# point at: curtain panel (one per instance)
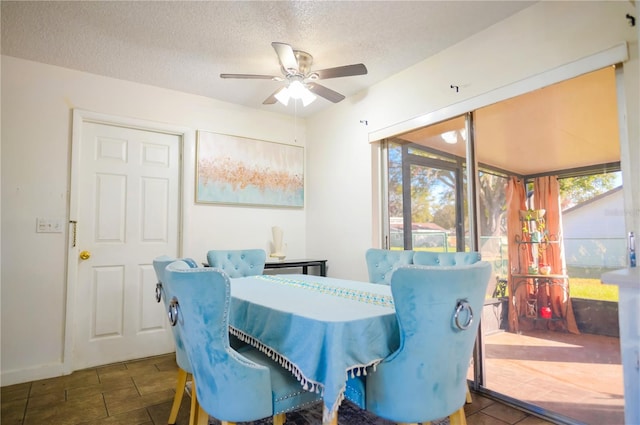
(516, 197)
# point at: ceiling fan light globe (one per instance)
(297, 89)
(307, 97)
(450, 137)
(283, 96)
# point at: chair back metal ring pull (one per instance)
(158, 292)
(463, 305)
(173, 312)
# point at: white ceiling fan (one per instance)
(301, 81)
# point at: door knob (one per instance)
(85, 255)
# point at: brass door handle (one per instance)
(85, 255)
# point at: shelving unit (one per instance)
(534, 308)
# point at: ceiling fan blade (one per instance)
(325, 92)
(286, 56)
(251, 77)
(272, 99)
(342, 71)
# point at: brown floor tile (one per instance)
(168, 363)
(483, 419)
(12, 411)
(134, 417)
(75, 380)
(504, 413)
(81, 376)
(141, 392)
(15, 392)
(103, 387)
(478, 403)
(102, 370)
(154, 382)
(126, 400)
(68, 413)
(122, 400)
(48, 399)
(160, 412)
(110, 374)
(143, 366)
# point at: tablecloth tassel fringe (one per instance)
(279, 358)
(327, 415)
(357, 371)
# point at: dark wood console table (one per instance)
(304, 263)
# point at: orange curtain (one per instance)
(546, 195)
(516, 197)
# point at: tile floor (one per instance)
(140, 392)
(578, 376)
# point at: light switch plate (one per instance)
(49, 225)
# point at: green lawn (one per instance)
(592, 289)
(588, 288)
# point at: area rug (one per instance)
(348, 414)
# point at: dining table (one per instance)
(323, 330)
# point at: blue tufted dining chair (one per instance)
(427, 258)
(184, 367)
(231, 386)
(425, 379)
(382, 262)
(238, 263)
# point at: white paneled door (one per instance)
(128, 183)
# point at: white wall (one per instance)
(594, 233)
(339, 220)
(37, 104)
(600, 218)
(341, 216)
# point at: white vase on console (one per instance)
(278, 248)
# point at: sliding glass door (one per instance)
(427, 189)
(566, 133)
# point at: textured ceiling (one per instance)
(185, 45)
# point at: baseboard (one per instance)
(31, 374)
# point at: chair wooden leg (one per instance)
(196, 411)
(469, 399)
(279, 419)
(203, 417)
(177, 399)
(458, 417)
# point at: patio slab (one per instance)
(579, 376)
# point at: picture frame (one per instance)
(243, 171)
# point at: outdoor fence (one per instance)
(584, 257)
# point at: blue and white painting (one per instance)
(238, 170)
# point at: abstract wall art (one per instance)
(239, 170)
